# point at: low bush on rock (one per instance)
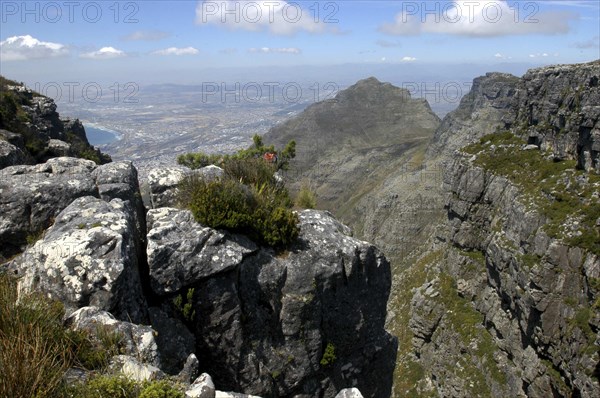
(118, 386)
(248, 199)
(261, 212)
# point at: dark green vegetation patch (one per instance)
(248, 199)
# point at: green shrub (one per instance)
(329, 355)
(186, 309)
(118, 386)
(250, 171)
(161, 389)
(198, 160)
(95, 350)
(261, 212)
(306, 198)
(248, 199)
(113, 386)
(218, 204)
(256, 151)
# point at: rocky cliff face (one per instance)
(31, 131)
(505, 299)
(557, 108)
(483, 110)
(305, 322)
(262, 321)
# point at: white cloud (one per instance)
(104, 53)
(268, 50)
(146, 35)
(543, 55)
(408, 59)
(482, 18)
(177, 51)
(20, 48)
(500, 56)
(277, 17)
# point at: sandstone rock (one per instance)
(210, 172)
(162, 184)
(175, 343)
(202, 387)
(88, 258)
(120, 180)
(181, 251)
(135, 370)
(262, 326)
(189, 373)
(531, 147)
(10, 155)
(484, 109)
(558, 105)
(32, 196)
(349, 393)
(59, 148)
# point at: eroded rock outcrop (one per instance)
(32, 196)
(307, 321)
(483, 110)
(88, 257)
(556, 108)
(263, 321)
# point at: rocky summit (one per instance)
(348, 145)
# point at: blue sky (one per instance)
(164, 41)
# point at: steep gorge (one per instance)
(504, 299)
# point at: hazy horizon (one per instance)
(190, 42)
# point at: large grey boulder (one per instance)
(32, 196)
(87, 258)
(202, 387)
(162, 184)
(263, 323)
(181, 252)
(120, 180)
(10, 155)
(59, 148)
